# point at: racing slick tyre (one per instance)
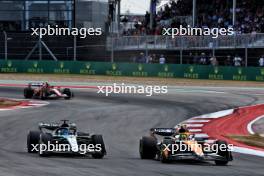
(32, 140)
(45, 138)
(68, 92)
(223, 152)
(148, 147)
(28, 93)
(98, 139)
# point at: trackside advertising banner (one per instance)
(131, 69)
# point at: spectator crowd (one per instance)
(198, 59)
(216, 13)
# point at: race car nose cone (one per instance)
(73, 143)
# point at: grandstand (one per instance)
(245, 16)
(127, 36)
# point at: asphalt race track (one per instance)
(122, 119)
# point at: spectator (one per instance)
(261, 61)
(213, 61)
(228, 61)
(203, 59)
(154, 58)
(195, 58)
(141, 58)
(149, 59)
(162, 59)
(237, 61)
(216, 14)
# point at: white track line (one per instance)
(198, 121)
(194, 125)
(201, 135)
(249, 126)
(216, 115)
(248, 151)
(195, 130)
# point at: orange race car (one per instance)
(182, 145)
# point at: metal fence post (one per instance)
(5, 44)
(112, 49)
(40, 49)
(246, 56)
(146, 51)
(181, 59)
(74, 47)
(214, 45)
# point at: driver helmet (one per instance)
(64, 131)
(183, 136)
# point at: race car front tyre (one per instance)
(68, 92)
(99, 144)
(147, 147)
(45, 138)
(28, 93)
(223, 151)
(32, 141)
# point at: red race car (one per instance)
(45, 91)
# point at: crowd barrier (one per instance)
(133, 69)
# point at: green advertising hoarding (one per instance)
(132, 69)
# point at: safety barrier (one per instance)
(132, 69)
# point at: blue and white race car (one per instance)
(54, 138)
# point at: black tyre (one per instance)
(223, 152)
(32, 141)
(45, 138)
(147, 147)
(98, 139)
(68, 92)
(28, 93)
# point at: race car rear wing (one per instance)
(35, 84)
(54, 126)
(49, 126)
(163, 131)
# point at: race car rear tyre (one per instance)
(98, 139)
(147, 147)
(32, 141)
(28, 93)
(223, 151)
(45, 138)
(68, 92)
